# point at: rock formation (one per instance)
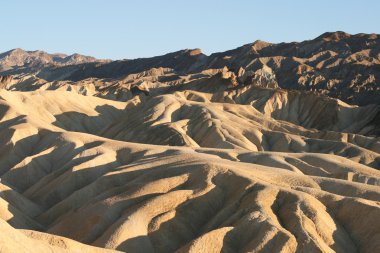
(249, 150)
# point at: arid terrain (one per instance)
(263, 148)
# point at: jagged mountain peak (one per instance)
(338, 35)
(335, 63)
(259, 44)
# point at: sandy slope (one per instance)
(228, 172)
(192, 153)
(13, 240)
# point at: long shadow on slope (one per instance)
(12, 122)
(6, 134)
(98, 190)
(190, 217)
(81, 122)
(303, 108)
(21, 220)
(62, 156)
(13, 153)
(37, 168)
(110, 118)
(60, 185)
(103, 187)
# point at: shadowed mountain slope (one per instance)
(337, 64)
(247, 150)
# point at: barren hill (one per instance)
(193, 153)
(336, 64)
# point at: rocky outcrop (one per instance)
(337, 64)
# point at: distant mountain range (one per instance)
(21, 61)
(336, 64)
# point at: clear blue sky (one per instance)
(118, 29)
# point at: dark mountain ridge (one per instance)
(336, 64)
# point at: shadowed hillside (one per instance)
(248, 150)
